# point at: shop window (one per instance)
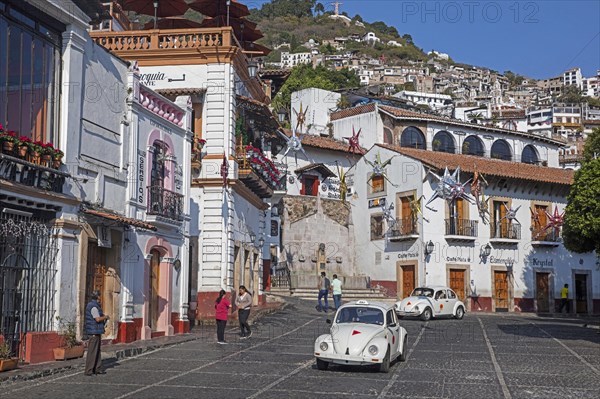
(377, 227)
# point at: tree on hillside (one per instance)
(408, 38)
(279, 8)
(319, 8)
(304, 76)
(581, 230)
(571, 95)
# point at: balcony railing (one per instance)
(505, 231)
(252, 159)
(461, 227)
(165, 203)
(548, 235)
(403, 228)
(31, 174)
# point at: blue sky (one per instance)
(538, 39)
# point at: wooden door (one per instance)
(500, 221)
(541, 221)
(457, 283)
(153, 294)
(580, 293)
(542, 292)
(408, 280)
(501, 291)
(96, 271)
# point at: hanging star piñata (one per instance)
(449, 187)
(511, 214)
(343, 185)
(415, 207)
(477, 187)
(555, 221)
(224, 170)
(353, 142)
(379, 168)
(389, 216)
(294, 143)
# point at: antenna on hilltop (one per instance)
(337, 5)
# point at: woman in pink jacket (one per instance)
(222, 306)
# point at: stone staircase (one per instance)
(347, 294)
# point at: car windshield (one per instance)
(422, 292)
(360, 315)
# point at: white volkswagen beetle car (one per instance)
(362, 334)
(428, 302)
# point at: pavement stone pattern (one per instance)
(481, 356)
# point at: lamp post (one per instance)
(155, 12)
(252, 68)
(282, 115)
(252, 237)
(429, 247)
(485, 251)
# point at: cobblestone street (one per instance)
(481, 356)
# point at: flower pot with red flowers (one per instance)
(8, 139)
(7, 362)
(57, 158)
(47, 153)
(23, 146)
(35, 151)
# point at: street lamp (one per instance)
(252, 68)
(485, 251)
(261, 242)
(252, 237)
(429, 248)
(282, 114)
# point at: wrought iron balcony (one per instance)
(165, 203)
(258, 172)
(461, 228)
(403, 229)
(505, 231)
(541, 236)
(31, 174)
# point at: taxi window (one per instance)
(422, 292)
(451, 294)
(441, 294)
(360, 315)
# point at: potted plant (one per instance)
(23, 146)
(57, 158)
(72, 348)
(8, 138)
(7, 362)
(47, 153)
(35, 150)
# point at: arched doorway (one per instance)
(412, 137)
(153, 290)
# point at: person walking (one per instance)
(95, 320)
(222, 306)
(244, 303)
(564, 298)
(336, 290)
(324, 286)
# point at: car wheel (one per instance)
(384, 367)
(460, 312)
(426, 315)
(322, 364)
(404, 350)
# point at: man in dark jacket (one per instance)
(94, 327)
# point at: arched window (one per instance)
(473, 146)
(530, 155)
(413, 138)
(444, 142)
(501, 150)
(388, 137)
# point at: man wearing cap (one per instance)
(94, 327)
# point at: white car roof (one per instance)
(434, 287)
(371, 304)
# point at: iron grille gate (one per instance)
(28, 253)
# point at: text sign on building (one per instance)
(333, 187)
(375, 202)
(141, 177)
(542, 262)
(408, 255)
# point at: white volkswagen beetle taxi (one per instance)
(363, 333)
(428, 302)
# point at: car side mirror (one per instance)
(328, 321)
(392, 325)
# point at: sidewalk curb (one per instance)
(595, 327)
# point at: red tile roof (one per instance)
(493, 167)
(345, 113)
(509, 113)
(119, 218)
(326, 143)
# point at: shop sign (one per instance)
(376, 202)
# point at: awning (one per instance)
(118, 218)
(317, 167)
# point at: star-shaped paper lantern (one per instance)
(379, 168)
(353, 142)
(224, 170)
(388, 215)
(511, 214)
(300, 118)
(555, 221)
(449, 187)
(415, 207)
(477, 187)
